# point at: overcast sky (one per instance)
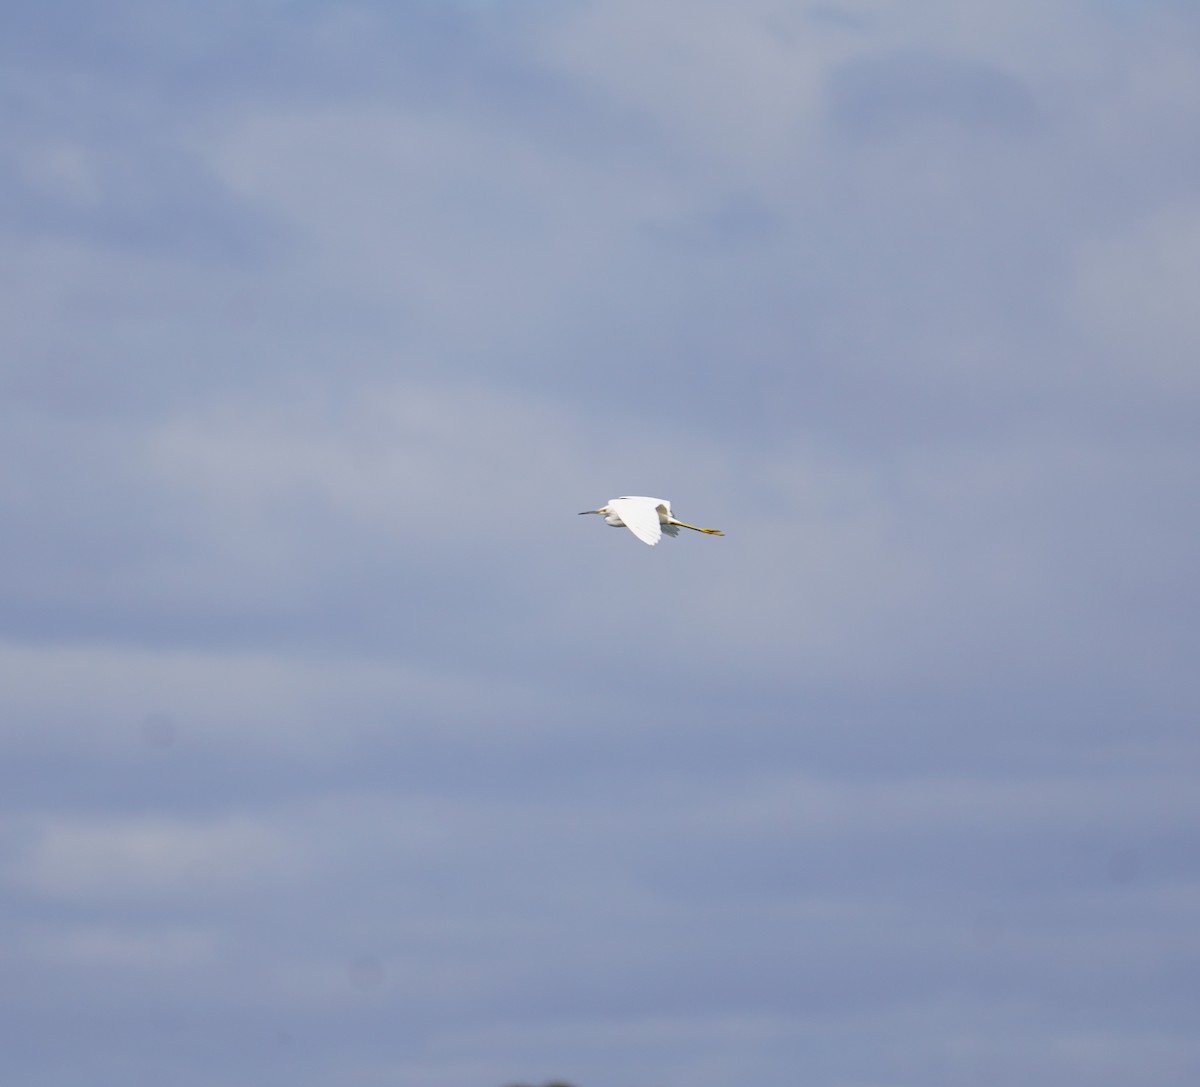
(336, 749)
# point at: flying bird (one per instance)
(646, 518)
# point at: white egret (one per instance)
(646, 518)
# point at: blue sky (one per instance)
(334, 747)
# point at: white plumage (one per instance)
(647, 518)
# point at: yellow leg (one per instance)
(696, 528)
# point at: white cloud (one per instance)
(145, 947)
(104, 859)
(104, 702)
(732, 92)
(1131, 296)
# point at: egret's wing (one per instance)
(670, 530)
(640, 517)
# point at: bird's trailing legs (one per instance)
(696, 528)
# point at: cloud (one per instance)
(1129, 296)
(338, 749)
(172, 948)
(140, 858)
(874, 98)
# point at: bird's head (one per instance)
(602, 509)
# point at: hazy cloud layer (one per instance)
(334, 747)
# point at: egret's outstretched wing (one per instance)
(640, 516)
